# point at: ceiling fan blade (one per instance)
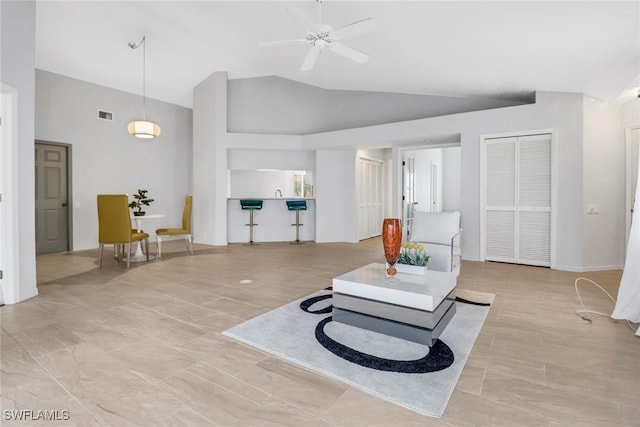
(310, 58)
(365, 25)
(348, 52)
(283, 43)
(302, 18)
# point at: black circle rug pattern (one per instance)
(306, 305)
(439, 357)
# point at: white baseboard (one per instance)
(29, 295)
(567, 267)
(587, 269)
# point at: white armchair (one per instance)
(439, 233)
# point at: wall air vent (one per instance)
(105, 115)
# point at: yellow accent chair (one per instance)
(114, 225)
(184, 231)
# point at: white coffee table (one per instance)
(413, 307)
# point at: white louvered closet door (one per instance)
(500, 193)
(534, 204)
(518, 200)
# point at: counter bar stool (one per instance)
(251, 205)
(297, 206)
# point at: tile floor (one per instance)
(143, 346)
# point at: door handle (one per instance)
(64, 205)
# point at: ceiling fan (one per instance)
(321, 36)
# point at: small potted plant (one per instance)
(140, 200)
(413, 259)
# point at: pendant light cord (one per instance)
(144, 74)
(144, 79)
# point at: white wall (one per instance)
(17, 33)
(336, 203)
(451, 159)
(376, 154)
(261, 184)
(604, 171)
(9, 213)
(271, 159)
(216, 151)
(630, 113)
(560, 111)
(210, 172)
(106, 158)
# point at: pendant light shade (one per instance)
(143, 128)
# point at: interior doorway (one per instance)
(431, 179)
(370, 197)
(52, 197)
(632, 137)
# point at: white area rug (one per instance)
(289, 332)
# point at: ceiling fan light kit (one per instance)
(321, 36)
(143, 128)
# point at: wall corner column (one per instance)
(210, 160)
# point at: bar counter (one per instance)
(274, 221)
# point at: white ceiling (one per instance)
(475, 48)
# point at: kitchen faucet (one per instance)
(278, 191)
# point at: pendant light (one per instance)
(143, 128)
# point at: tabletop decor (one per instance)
(413, 259)
(391, 241)
(140, 199)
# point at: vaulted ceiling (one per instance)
(500, 49)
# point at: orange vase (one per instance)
(391, 241)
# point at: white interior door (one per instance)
(534, 200)
(517, 199)
(500, 204)
(434, 188)
(409, 202)
(370, 198)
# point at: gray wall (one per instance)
(561, 113)
(17, 70)
(106, 159)
(273, 105)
